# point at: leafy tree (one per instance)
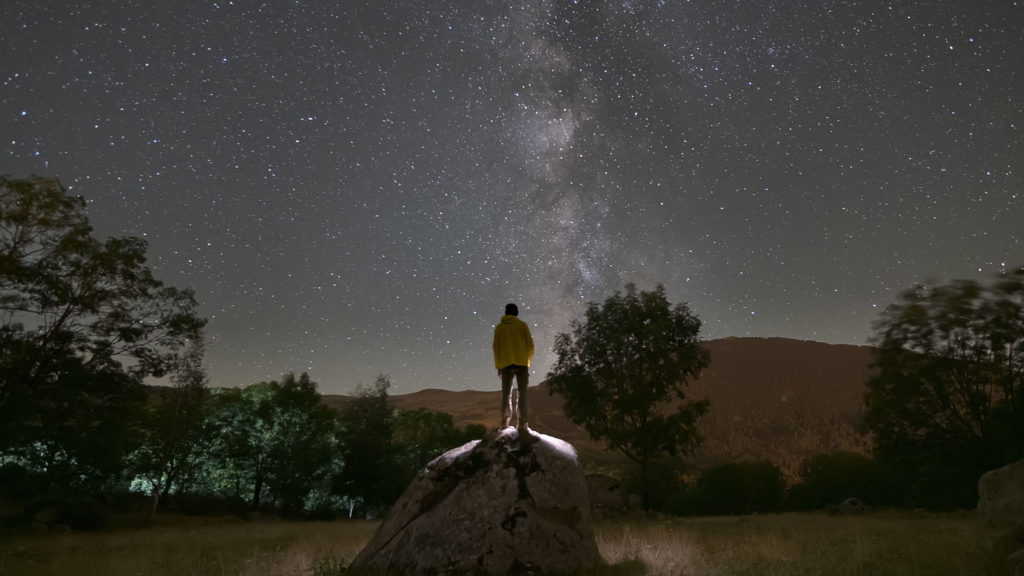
(60, 288)
(669, 484)
(233, 435)
(302, 453)
(70, 421)
(422, 435)
(271, 439)
(623, 367)
(371, 471)
(947, 401)
(168, 455)
(83, 322)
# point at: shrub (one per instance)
(76, 512)
(828, 479)
(669, 491)
(741, 488)
(84, 514)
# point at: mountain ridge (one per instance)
(775, 398)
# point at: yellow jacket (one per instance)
(513, 343)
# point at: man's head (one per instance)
(511, 310)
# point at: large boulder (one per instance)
(1001, 497)
(1001, 509)
(507, 504)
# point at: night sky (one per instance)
(357, 188)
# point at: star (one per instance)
(359, 189)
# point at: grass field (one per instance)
(896, 544)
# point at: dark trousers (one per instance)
(522, 376)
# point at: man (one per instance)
(513, 349)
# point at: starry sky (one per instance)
(356, 188)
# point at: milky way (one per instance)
(357, 188)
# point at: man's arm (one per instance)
(496, 347)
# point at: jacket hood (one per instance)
(508, 319)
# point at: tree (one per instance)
(172, 429)
(66, 420)
(83, 322)
(422, 435)
(271, 439)
(60, 288)
(371, 473)
(624, 366)
(947, 401)
(300, 455)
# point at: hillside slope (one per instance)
(771, 398)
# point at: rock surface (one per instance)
(1001, 497)
(1001, 510)
(503, 505)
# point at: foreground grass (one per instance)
(893, 544)
(896, 544)
(179, 546)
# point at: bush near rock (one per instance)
(508, 504)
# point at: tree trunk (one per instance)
(645, 496)
(157, 488)
(256, 492)
(165, 494)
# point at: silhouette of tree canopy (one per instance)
(423, 434)
(271, 439)
(370, 472)
(83, 321)
(62, 288)
(827, 479)
(741, 488)
(169, 454)
(382, 448)
(622, 367)
(947, 402)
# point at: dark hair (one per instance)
(512, 309)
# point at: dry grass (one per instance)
(893, 544)
(660, 548)
(189, 547)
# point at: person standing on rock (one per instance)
(513, 350)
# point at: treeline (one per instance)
(944, 406)
(85, 323)
(826, 481)
(841, 482)
(271, 447)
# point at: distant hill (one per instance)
(771, 398)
